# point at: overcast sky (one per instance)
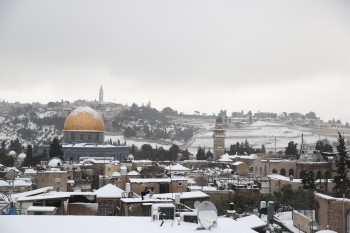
(277, 56)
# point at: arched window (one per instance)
(274, 171)
(291, 172)
(326, 175)
(319, 174)
(283, 172)
(348, 222)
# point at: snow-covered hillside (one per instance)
(259, 133)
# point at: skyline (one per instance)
(191, 56)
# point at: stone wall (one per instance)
(301, 222)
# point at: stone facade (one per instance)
(219, 139)
(56, 179)
(158, 185)
(264, 167)
(332, 213)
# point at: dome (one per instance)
(116, 174)
(22, 156)
(130, 157)
(12, 153)
(55, 162)
(84, 119)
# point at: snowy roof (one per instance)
(92, 224)
(116, 174)
(280, 177)
(177, 167)
(109, 191)
(133, 173)
(30, 171)
(21, 183)
(42, 208)
(22, 156)
(252, 156)
(183, 195)
(155, 180)
(203, 188)
(55, 162)
(54, 195)
(252, 221)
(31, 193)
(237, 163)
(84, 145)
(4, 183)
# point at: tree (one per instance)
(308, 180)
(16, 146)
(173, 152)
(200, 154)
(327, 148)
(319, 146)
(152, 172)
(341, 180)
(185, 154)
(209, 155)
(291, 149)
(311, 115)
(28, 161)
(55, 149)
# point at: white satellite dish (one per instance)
(207, 215)
(196, 204)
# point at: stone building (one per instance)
(56, 179)
(332, 213)
(219, 138)
(264, 167)
(83, 136)
(158, 185)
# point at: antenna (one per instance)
(207, 215)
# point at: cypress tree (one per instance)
(56, 149)
(341, 180)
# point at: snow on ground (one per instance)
(46, 114)
(136, 142)
(260, 133)
(93, 224)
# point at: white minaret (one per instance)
(100, 99)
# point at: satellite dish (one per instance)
(207, 215)
(196, 204)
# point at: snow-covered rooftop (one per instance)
(109, 191)
(92, 224)
(177, 167)
(155, 180)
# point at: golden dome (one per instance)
(84, 119)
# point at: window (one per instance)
(179, 184)
(57, 180)
(166, 212)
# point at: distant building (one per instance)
(219, 138)
(100, 97)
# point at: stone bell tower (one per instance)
(219, 138)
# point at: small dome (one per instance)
(130, 157)
(219, 120)
(22, 156)
(12, 153)
(84, 119)
(55, 162)
(116, 174)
